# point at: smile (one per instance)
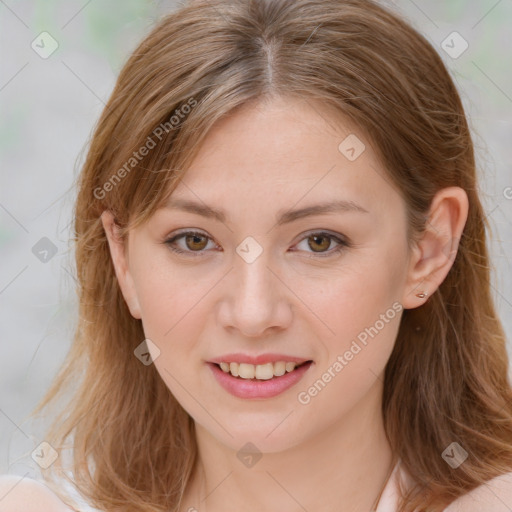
(258, 381)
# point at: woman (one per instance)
(284, 278)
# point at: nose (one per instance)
(255, 299)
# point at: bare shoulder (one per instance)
(18, 494)
(494, 496)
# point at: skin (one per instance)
(278, 155)
(25, 494)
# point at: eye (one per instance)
(195, 242)
(320, 241)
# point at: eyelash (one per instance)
(343, 244)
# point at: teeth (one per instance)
(279, 368)
(233, 368)
(260, 371)
(264, 371)
(290, 367)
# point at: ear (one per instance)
(434, 254)
(118, 251)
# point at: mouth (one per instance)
(258, 381)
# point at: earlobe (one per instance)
(434, 254)
(118, 254)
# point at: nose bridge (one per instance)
(254, 299)
(253, 277)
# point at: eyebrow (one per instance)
(283, 217)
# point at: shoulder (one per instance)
(18, 494)
(493, 496)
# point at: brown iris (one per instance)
(193, 239)
(319, 238)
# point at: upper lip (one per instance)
(259, 359)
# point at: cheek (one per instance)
(355, 298)
(361, 311)
(171, 298)
(360, 306)
(174, 311)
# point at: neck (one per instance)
(346, 465)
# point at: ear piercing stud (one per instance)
(422, 295)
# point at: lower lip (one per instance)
(253, 388)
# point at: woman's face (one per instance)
(322, 286)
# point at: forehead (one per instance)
(286, 148)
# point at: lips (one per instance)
(258, 389)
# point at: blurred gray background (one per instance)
(59, 61)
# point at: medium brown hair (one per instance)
(133, 445)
